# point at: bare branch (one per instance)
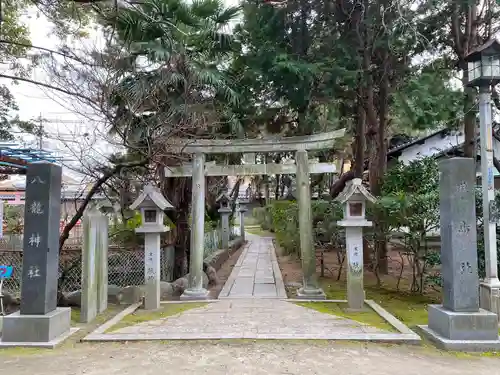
(14, 78)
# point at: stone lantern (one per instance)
(225, 210)
(354, 198)
(483, 65)
(152, 205)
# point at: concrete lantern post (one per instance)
(483, 72)
(151, 204)
(224, 200)
(242, 209)
(354, 198)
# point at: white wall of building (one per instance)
(431, 146)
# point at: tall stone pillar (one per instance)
(39, 320)
(195, 281)
(459, 323)
(310, 288)
(91, 239)
(102, 265)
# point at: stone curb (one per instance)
(405, 334)
(371, 337)
(219, 257)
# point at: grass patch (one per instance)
(75, 316)
(368, 316)
(259, 232)
(140, 316)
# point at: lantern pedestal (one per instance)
(225, 232)
(355, 266)
(242, 209)
(152, 263)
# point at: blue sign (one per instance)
(490, 176)
(6, 272)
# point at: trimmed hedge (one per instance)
(281, 217)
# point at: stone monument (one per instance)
(151, 203)
(354, 197)
(459, 323)
(40, 322)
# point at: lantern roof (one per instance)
(490, 48)
(355, 188)
(151, 198)
(223, 198)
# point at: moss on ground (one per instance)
(411, 309)
(368, 316)
(75, 317)
(141, 316)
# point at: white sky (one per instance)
(65, 127)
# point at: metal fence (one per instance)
(125, 266)
(14, 241)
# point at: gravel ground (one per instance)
(242, 357)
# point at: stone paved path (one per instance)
(251, 307)
(256, 274)
(250, 318)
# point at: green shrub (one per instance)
(282, 217)
(264, 218)
(285, 224)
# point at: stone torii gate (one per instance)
(302, 168)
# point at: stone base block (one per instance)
(489, 297)
(481, 325)
(152, 296)
(36, 328)
(460, 345)
(311, 294)
(190, 295)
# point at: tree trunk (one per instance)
(339, 185)
(178, 192)
(359, 138)
(381, 163)
(470, 129)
